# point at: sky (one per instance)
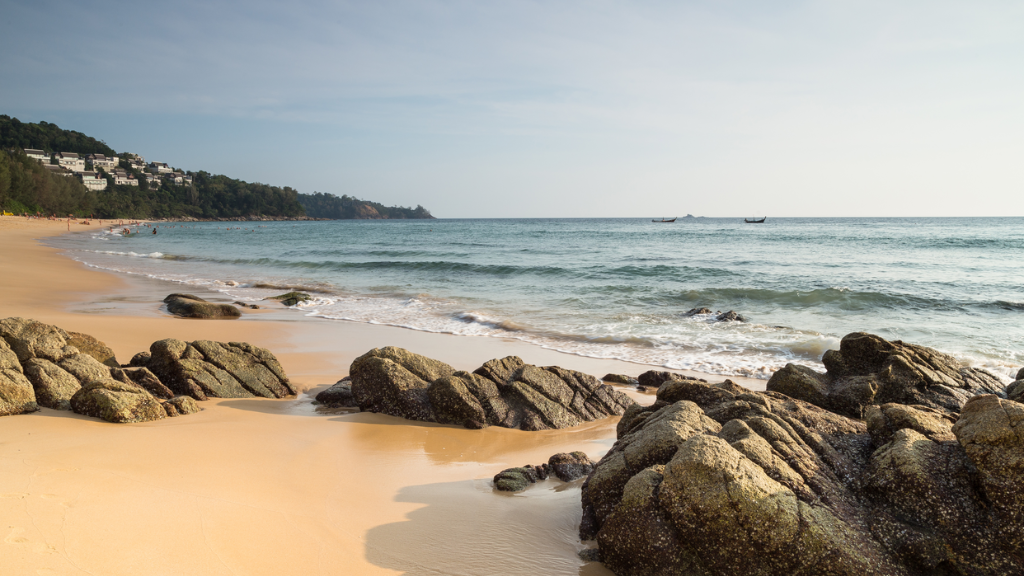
(550, 108)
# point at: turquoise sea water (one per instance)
(618, 288)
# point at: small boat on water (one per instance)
(664, 220)
(755, 220)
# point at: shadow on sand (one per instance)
(468, 529)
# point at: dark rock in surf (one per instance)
(338, 396)
(189, 306)
(730, 316)
(1020, 374)
(246, 305)
(868, 369)
(620, 379)
(503, 392)
(696, 312)
(292, 298)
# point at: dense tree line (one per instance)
(48, 137)
(25, 186)
(345, 207)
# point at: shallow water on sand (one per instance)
(619, 288)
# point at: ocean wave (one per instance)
(840, 298)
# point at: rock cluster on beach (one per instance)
(716, 479)
(503, 392)
(43, 365)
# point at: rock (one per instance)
(590, 555)
(715, 479)
(205, 369)
(143, 377)
(697, 311)
(503, 392)
(140, 360)
(189, 306)
(180, 406)
(654, 378)
(1020, 374)
(53, 385)
(868, 369)
(620, 379)
(886, 420)
(383, 385)
(17, 395)
(30, 339)
(292, 298)
(88, 345)
(117, 402)
(570, 466)
(800, 382)
(518, 479)
(991, 431)
(84, 367)
(730, 316)
(246, 305)
(338, 396)
(1015, 391)
(454, 399)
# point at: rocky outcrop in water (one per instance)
(503, 392)
(292, 298)
(566, 466)
(189, 306)
(868, 369)
(40, 366)
(620, 379)
(715, 479)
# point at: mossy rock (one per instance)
(117, 402)
(189, 306)
(86, 344)
(292, 298)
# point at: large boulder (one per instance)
(1015, 391)
(868, 369)
(117, 402)
(54, 386)
(715, 479)
(569, 466)
(503, 392)
(206, 369)
(31, 339)
(87, 344)
(189, 306)
(16, 393)
(991, 431)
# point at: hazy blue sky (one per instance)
(588, 108)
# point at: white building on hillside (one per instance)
(93, 181)
(37, 155)
(125, 179)
(71, 161)
(160, 167)
(174, 178)
(107, 163)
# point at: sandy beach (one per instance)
(269, 486)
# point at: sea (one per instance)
(619, 288)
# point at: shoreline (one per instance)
(261, 486)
